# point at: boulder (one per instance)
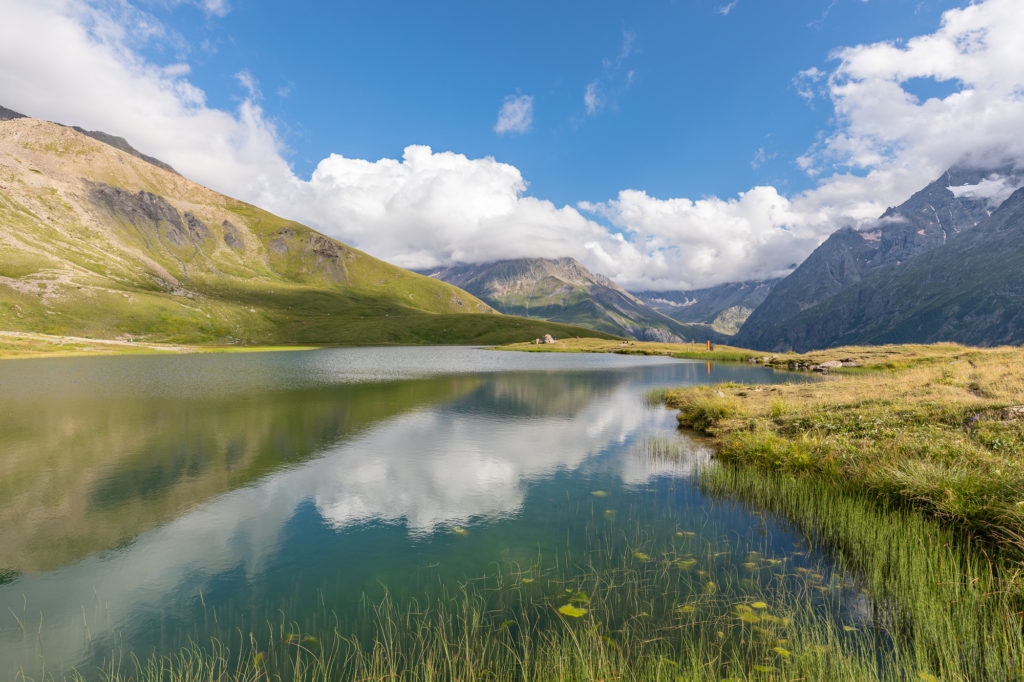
(548, 339)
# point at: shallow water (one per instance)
(148, 500)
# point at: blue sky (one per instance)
(708, 89)
(668, 145)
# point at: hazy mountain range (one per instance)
(725, 307)
(563, 290)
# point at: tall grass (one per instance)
(902, 598)
(951, 610)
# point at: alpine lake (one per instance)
(385, 513)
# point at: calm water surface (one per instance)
(148, 500)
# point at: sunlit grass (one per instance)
(939, 432)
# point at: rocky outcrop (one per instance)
(9, 115)
(232, 236)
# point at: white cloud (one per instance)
(248, 82)
(592, 99)
(807, 83)
(217, 8)
(995, 190)
(725, 9)
(761, 157)
(882, 126)
(516, 115)
(430, 208)
(614, 80)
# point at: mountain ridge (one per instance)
(563, 290)
(930, 218)
(969, 290)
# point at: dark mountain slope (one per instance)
(929, 219)
(969, 290)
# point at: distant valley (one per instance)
(725, 307)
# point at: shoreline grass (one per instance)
(696, 351)
(941, 432)
(26, 345)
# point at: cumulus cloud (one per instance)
(516, 115)
(83, 53)
(882, 125)
(430, 207)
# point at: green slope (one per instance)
(97, 241)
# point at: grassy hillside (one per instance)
(98, 242)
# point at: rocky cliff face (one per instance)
(949, 206)
(563, 290)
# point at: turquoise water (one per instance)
(149, 501)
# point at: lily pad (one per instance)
(572, 611)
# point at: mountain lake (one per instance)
(320, 503)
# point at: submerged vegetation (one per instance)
(900, 597)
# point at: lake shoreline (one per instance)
(939, 429)
(27, 345)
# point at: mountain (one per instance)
(97, 239)
(969, 290)
(563, 290)
(929, 219)
(725, 307)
